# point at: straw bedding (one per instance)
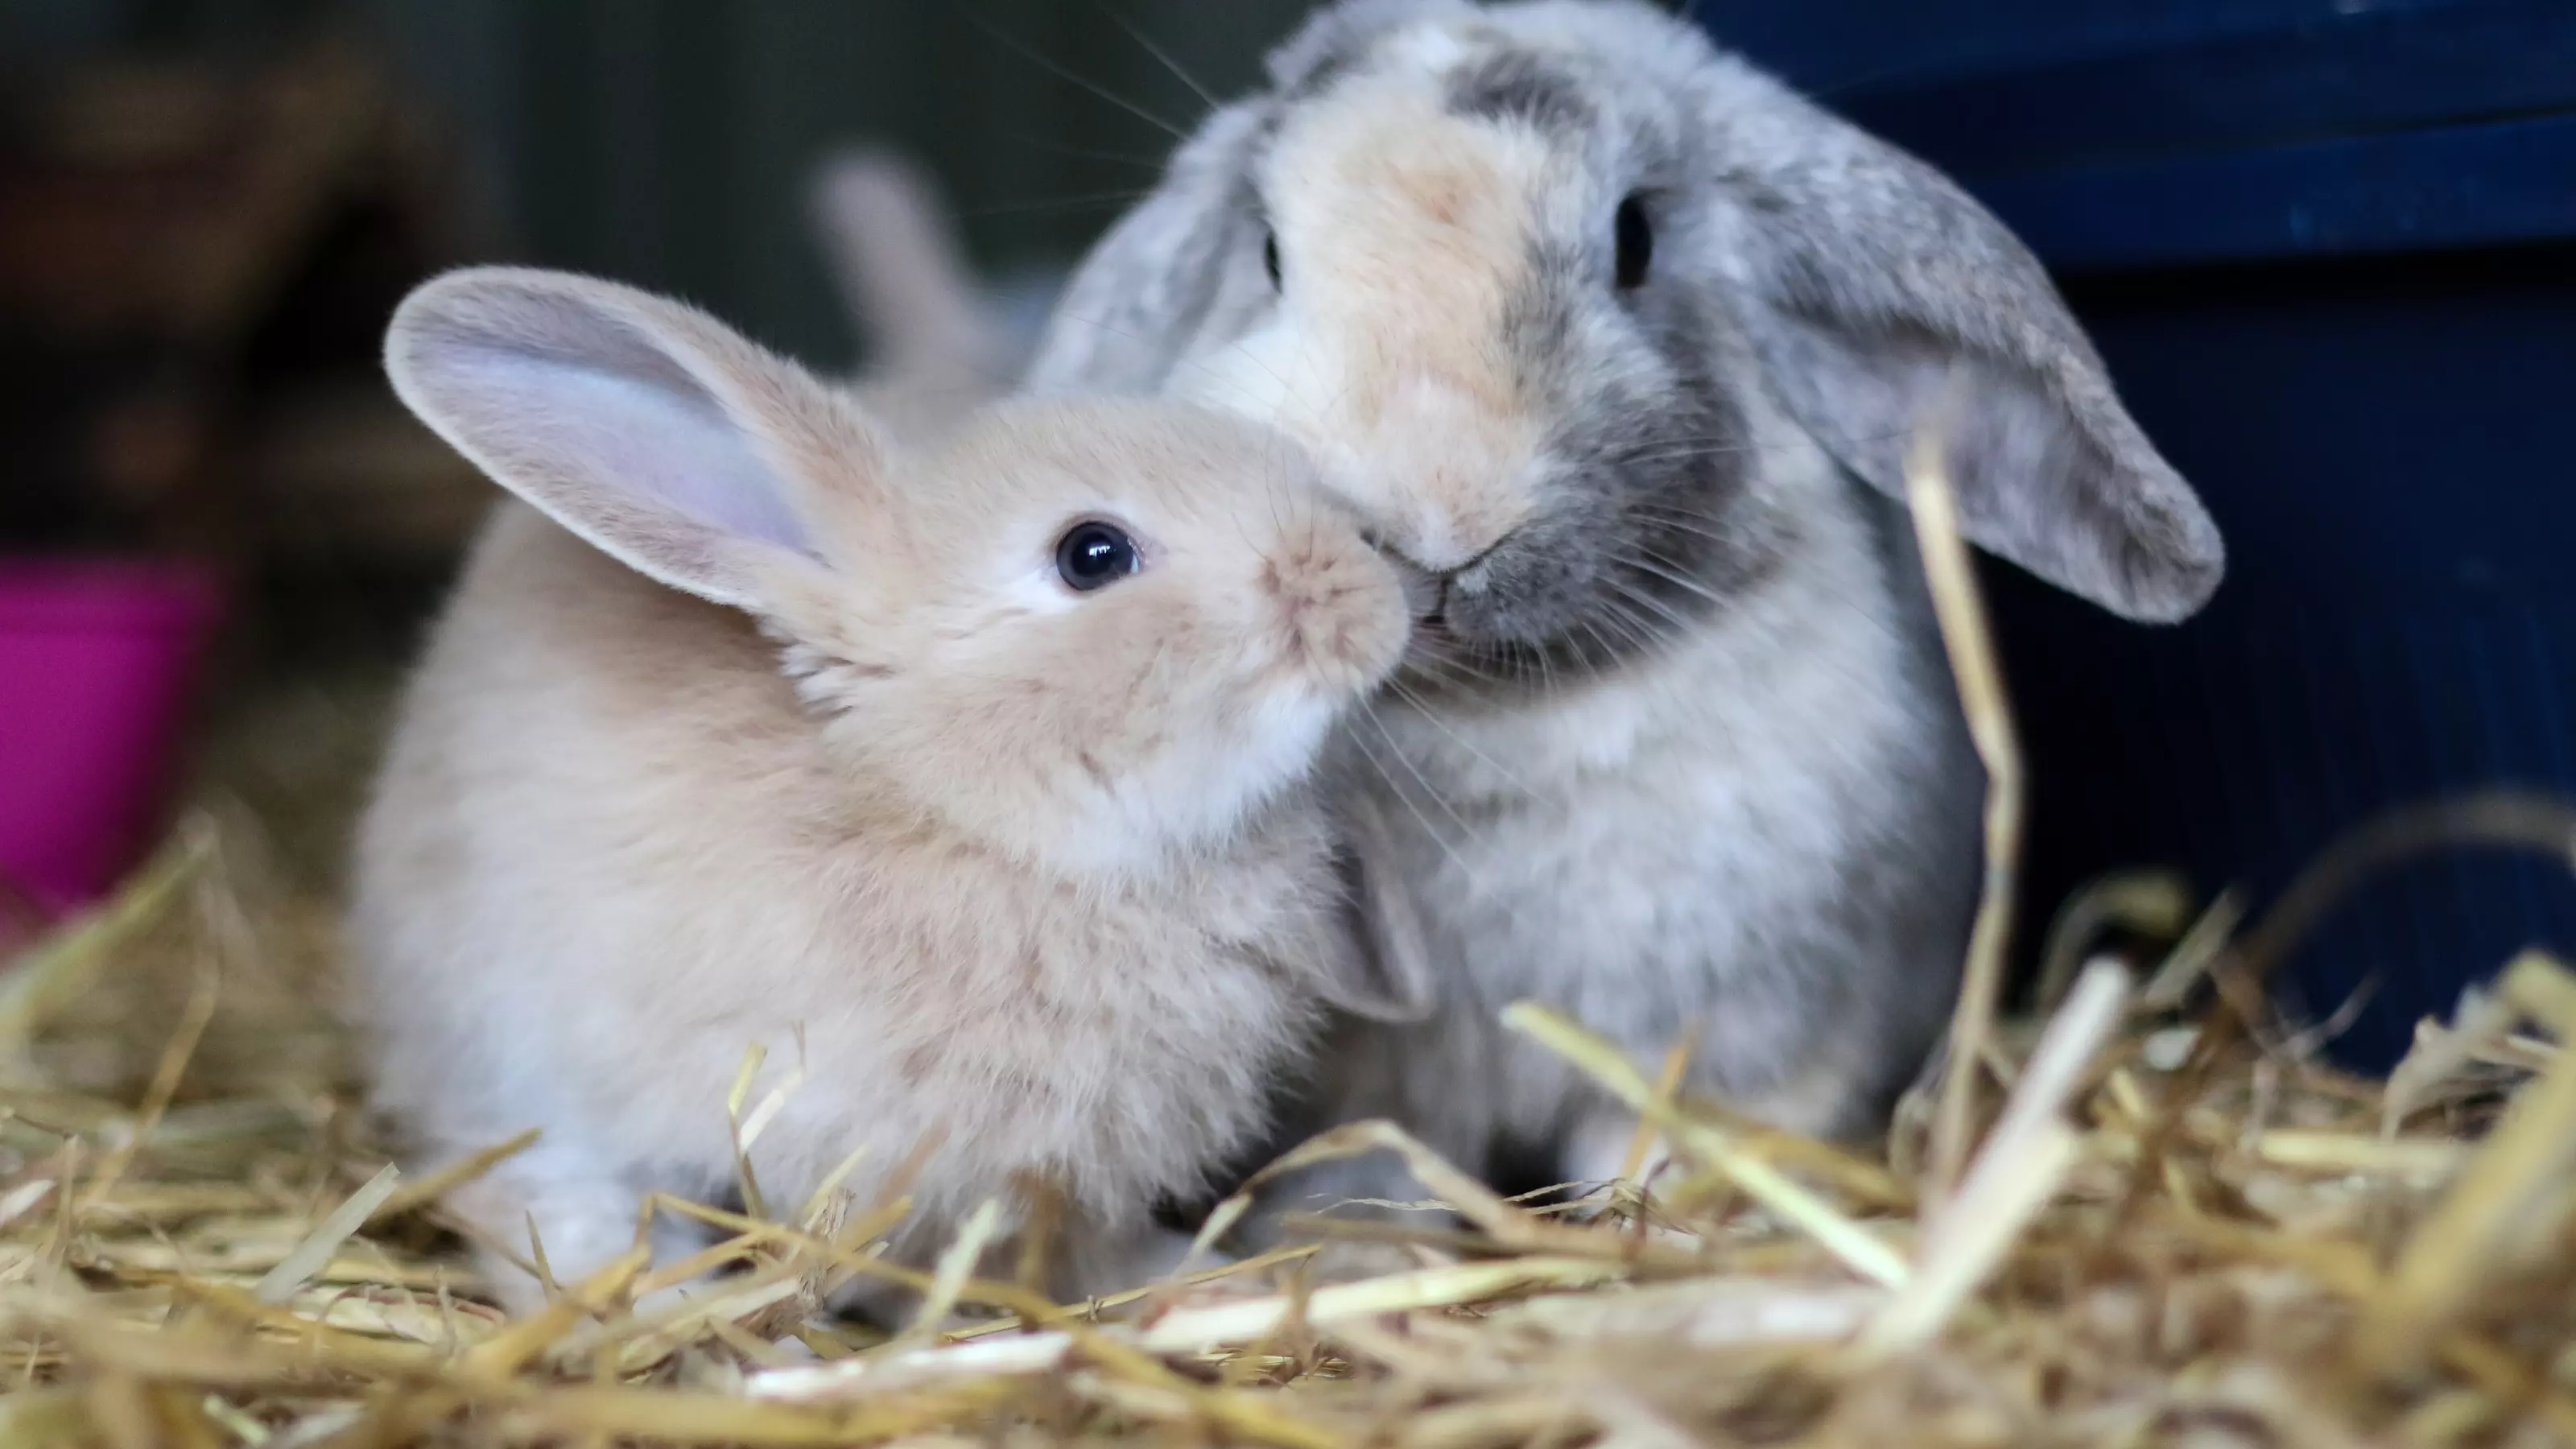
(2143, 1216)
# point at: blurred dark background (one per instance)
(2325, 246)
(219, 534)
(667, 141)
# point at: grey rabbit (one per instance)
(1620, 344)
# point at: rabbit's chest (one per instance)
(1115, 1064)
(1712, 834)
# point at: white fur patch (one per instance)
(1434, 48)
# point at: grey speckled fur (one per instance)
(1690, 762)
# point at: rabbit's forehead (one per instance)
(1384, 157)
(1482, 67)
(1393, 178)
(1458, 134)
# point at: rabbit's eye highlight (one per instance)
(1636, 235)
(1270, 258)
(1094, 555)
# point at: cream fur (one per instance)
(1030, 879)
(1410, 231)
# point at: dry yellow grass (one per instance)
(2129, 1223)
(198, 1248)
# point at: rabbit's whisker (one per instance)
(1062, 203)
(1065, 73)
(1423, 710)
(1627, 594)
(1655, 565)
(1629, 629)
(1377, 721)
(1122, 158)
(1137, 34)
(1404, 796)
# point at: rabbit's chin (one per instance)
(1198, 796)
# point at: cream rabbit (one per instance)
(1620, 343)
(973, 785)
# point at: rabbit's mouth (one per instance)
(1549, 608)
(1516, 610)
(1450, 654)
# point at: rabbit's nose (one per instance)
(1343, 621)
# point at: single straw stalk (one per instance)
(1784, 1196)
(316, 1250)
(2024, 1162)
(1190, 1330)
(1960, 607)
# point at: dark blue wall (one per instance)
(2329, 251)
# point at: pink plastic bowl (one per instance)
(96, 661)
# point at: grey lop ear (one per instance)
(1388, 977)
(1132, 308)
(1151, 287)
(1879, 295)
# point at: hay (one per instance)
(2162, 1226)
(213, 1256)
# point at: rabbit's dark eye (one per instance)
(1636, 242)
(1270, 259)
(1094, 555)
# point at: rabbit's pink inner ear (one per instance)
(640, 449)
(562, 391)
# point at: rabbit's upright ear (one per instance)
(888, 235)
(662, 437)
(1881, 297)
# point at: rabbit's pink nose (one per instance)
(1342, 614)
(1428, 584)
(1460, 526)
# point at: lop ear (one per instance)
(1879, 294)
(1147, 289)
(646, 427)
(1151, 287)
(1388, 977)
